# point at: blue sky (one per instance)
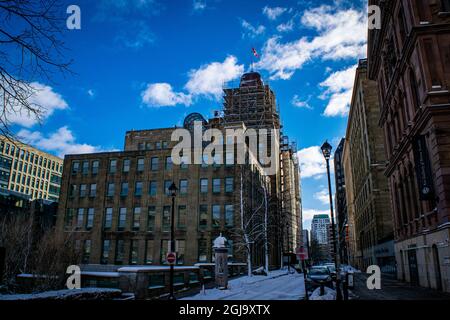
(143, 64)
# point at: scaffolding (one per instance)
(253, 103)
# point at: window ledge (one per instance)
(437, 91)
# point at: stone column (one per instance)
(221, 267)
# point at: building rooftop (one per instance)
(251, 79)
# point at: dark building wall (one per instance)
(410, 60)
(373, 226)
(341, 201)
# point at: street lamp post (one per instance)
(173, 193)
(326, 151)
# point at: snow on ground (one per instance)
(278, 285)
(330, 294)
(60, 294)
(347, 268)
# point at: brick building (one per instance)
(350, 207)
(366, 186)
(409, 57)
(117, 203)
(341, 202)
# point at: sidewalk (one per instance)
(392, 289)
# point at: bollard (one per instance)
(322, 289)
(345, 287)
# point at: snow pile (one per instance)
(330, 294)
(347, 268)
(75, 294)
(278, 285)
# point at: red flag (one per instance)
(255, 53)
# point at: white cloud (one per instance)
(250, 30)
(136, 36)
(339, 90)
(312, 162)
(61, 142)
(199, 5)
(322, 196)
(209, 79)
(297, 102)
(273, 13)
(282, 60)
(285, 27)
(341, 34)
(162, 94)
(42, 98)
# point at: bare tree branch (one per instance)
(31, 50)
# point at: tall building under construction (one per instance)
(254, 103)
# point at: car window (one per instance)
(318, 272)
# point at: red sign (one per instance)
(171, 257)
(301, 253)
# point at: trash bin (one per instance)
(350, 284)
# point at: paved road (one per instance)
(392, 289)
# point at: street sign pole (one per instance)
(302, 254)
(172, 248)
(304, 278)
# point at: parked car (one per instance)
(317, 276)
(332, 269)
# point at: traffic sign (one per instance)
(171, 257)
(301, 253)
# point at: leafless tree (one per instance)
(15, 231)
(255, 220)
(45, 257)
(31, 49)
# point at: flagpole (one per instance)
(252, 64)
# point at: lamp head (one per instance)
(326, 150)
(173, 189)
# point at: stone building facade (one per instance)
(291, 205)
(350, 206)
(319, 228)
(120, 212)
(371, 206)
(409, 57)
(29, 171)
(341, 202)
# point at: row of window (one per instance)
(158, 145)
(29, 181)
(149, 251)
(152, 188)
(10, 149)
(32, 170)
(84, 167)
(34, 193)
(85, 217)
